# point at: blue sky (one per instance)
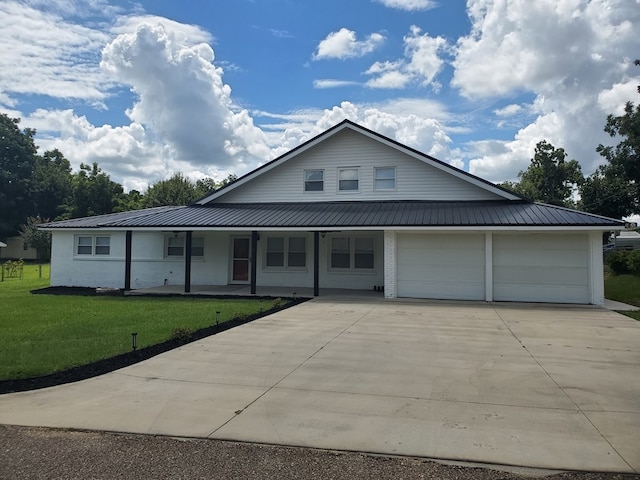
(209, 88)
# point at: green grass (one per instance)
(623, 288)
(42, 334)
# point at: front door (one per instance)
(241, 249)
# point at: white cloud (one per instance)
(333, 83)
(44, 54)
(397, 121)
(344, 44)
(182, 97)
(571, 54)
(421, 63)
(508, 111)
(409, 5)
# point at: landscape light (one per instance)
(217, 318)
(134, 341)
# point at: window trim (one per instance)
(376, 179)
(352, 239)
(285, 253)
(305, 181)
(93, 246)
(351, 190)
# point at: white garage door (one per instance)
(541, 268)
(442, 266)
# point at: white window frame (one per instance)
(307, 181)
(96, 247)
(339, 180)
(376, 179)
(352, 240)
(182, 238)
(286, 260)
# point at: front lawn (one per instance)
(623, 288)
(43, 334)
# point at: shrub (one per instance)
(633, 262)
(617, 261)
(182, 334)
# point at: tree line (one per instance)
(36, 188)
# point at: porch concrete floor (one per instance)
(245, 290)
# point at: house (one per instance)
(16, 248)
(348, 209)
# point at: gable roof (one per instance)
(348, 124)
(348, 215)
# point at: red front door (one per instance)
(240, 262)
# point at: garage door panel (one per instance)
(446, 274)
(541, 276)
(539, 258)
(541, 268)
(525, 293)
(441, 266)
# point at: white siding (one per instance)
(415, 180)
(441, 266)
(541, 268)
(86, 271)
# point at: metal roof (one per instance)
(324, 215)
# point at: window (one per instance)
(197, 247)
(348, 179)
(103, 245)
(297, 254)
(175, 246)
(286, 252)
(352, 253)
(93, 245)
(275, 252)
(385, 178)
(313, 180)
(85, 246)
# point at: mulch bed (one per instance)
(124, 360)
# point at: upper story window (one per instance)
(384, 178)
(313, 180)
(175, 246)
(93, 245)
(348, 180)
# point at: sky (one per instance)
(210, 88)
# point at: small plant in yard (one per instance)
(278, 303)
(182, 334)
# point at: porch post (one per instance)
(488, 266)
(316, 264)
(187, 262)
(127, 261)
(253, 260)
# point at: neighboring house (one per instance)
(627, 240)
(348, 209)
(16, 248)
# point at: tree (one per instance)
(52, 185)
(177, 190)
(607, 194)
(549, 178)
(93, 192)
(38, 239)
(17, 161)
(619, 179)
(133, 200)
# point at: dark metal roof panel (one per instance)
(346, 214)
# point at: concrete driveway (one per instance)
(532, 385)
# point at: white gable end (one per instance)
(350, 150)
